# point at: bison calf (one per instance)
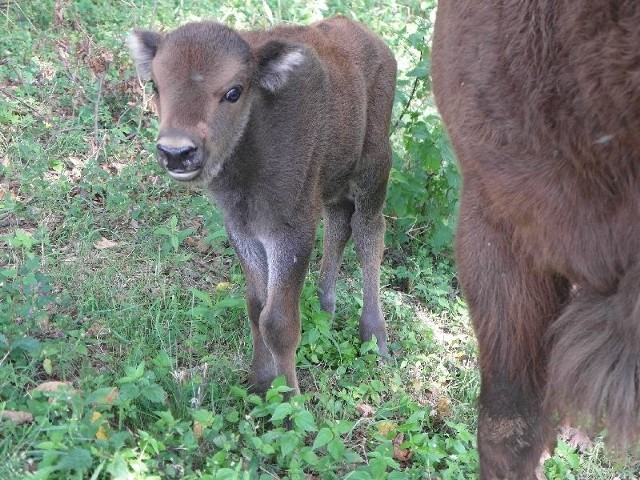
(542, 102)
(279, 127)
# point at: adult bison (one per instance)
(542, 103)
(279, 126)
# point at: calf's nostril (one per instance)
(179, 159)
(176, 152)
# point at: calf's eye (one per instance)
(233, 94)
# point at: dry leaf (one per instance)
(48, 72)
(111, 397)
(203, 247)
(16, 417)
(401, 454)
(55, 387)
(97, 330)
(199, 244)
(51, 386)
(385, 427)
(575, 437)
(365, 410)
(118, 167)
(101, 434)
(12, 195)
(197, 429)
(103, 243)
(108, 399)
(444, 406)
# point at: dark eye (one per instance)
(233, 95)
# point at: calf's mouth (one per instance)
(180, 156)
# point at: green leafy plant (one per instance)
(173, 234)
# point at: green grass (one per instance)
(122, 283)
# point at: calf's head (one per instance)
(206, 79)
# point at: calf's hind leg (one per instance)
(511, 305)
(337, 231)
(369, 188)
(368, 226)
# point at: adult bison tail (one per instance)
(594, 365)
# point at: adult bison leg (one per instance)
(253, 259)
(511, 305)
(337, 231)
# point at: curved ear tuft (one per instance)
(143, 45)
(276, 62)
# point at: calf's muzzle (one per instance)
(182, 159)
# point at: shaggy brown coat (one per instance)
(542, 103)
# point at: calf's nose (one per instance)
(179, 158)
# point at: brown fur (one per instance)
(308, 133)
(542, 103)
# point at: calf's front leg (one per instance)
(253, 259)
(279, 323)
(275, 268)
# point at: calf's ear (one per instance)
(143, 45)
(277, 61)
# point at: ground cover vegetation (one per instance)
(124, 340)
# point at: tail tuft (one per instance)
(594, 364)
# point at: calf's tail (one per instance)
(594, 364)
